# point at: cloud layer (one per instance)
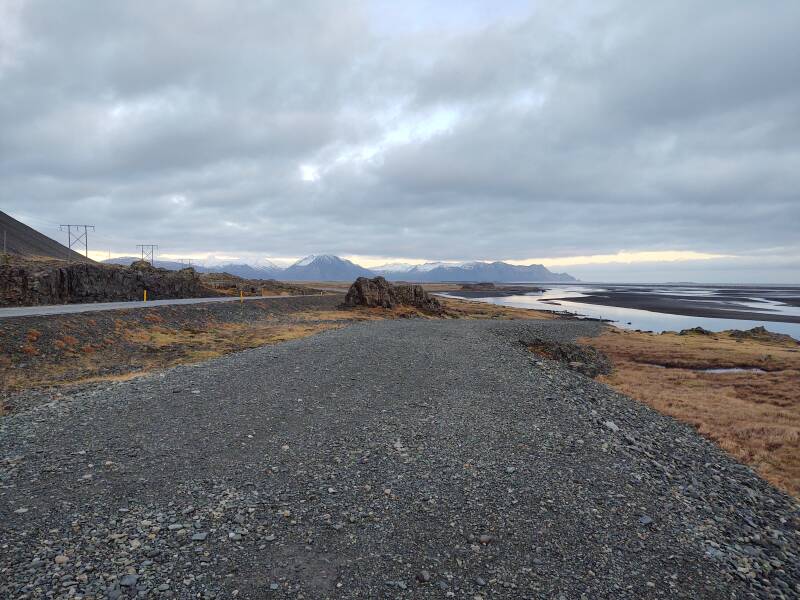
(394, 129)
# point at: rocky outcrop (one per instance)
(30, 283)
(583, 359)
(378, 292)
(762, 334)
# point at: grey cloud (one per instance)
(576, 129)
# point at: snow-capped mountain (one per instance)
(327, 267)
(265, 271)
(497, 272)
(268, 270)
(392, 268)
(324, 267)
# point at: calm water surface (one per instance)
(557, 298)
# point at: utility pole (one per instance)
(79, 237)
(149, 251)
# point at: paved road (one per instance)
(61, 309)
(403, 459)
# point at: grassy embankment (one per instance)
(753, 415)
(77, 349)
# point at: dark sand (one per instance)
(726, 303)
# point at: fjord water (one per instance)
(752, 299)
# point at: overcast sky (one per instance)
(396, 131)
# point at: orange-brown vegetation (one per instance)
(69, 340)
(29, 349)
(137, 346)
(466, 309)
(755, 416)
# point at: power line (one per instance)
(149, 250)
(78, 237)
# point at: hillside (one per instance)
(245, 271)
(498, 272)
(327, 267)
(26, 241)
(324, 267)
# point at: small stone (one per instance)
(611, 425)
(61, 559)
(21, 511)
(274, 586)
(199, 537)
(163, 587)
(510, 469)
(645, 520)
(129, 580)
(270, 537)
(480, 581)
(235, 536)
(423, 576)
(486, 539)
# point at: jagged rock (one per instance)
(761, 333)
(141, 265)
(36, 283)
(694, 331)
(378, 292)
(583, 359)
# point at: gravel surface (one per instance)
(392, 459)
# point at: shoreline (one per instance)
(669, 306)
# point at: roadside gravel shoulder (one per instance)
(387, 459)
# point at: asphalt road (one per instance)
(394, 459)
(63, 309)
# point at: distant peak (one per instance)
(311, 258)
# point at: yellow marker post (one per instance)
(145, 295)
(241, 297)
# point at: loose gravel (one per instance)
(393, 459)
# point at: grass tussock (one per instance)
(143, 348)
(467, 309)
(754, 416)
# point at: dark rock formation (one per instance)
(378, 292)
(583, 359)
(762, 334)
(694, 331)
(26, 283)
(483, 285)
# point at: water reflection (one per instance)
(557, 298)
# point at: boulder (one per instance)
(141, 265)
(378, 292)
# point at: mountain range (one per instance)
(327, 267)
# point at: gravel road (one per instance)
(70, 309)
(393, 459)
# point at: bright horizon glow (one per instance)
(621, 257)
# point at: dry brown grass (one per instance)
(146, 348)
(471, 309)
(753, 416)
(132, 348)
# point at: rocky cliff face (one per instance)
(378, 292)
(27, 283)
